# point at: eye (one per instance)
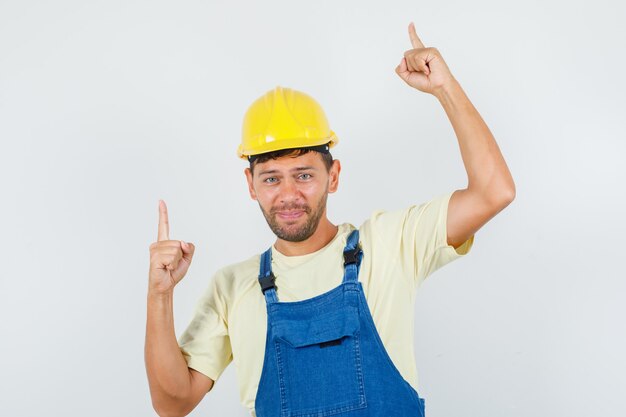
(270, 180)
(304, 176)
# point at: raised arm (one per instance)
(175, 389)
(490, 184)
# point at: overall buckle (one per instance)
(351, 256)
(267, 282)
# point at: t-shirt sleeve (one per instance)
(205, 343)
(430, 224)
(419, 235)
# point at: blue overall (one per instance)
(323, 355)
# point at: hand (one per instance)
(423, 68)
(169, 259)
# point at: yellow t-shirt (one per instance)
(400, 249)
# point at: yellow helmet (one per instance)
(284, 118)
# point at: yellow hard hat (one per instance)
(284, 118)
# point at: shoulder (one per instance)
(235, 274)
(230, 284)
(241, 268)
(389, 220)
(409, 227)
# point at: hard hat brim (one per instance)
(291, 143)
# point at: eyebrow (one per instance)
(298, 169)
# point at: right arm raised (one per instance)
(175, 389)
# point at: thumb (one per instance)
(402, 67)
(188, 250)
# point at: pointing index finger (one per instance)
(164, 225)
(415, 40)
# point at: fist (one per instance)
(423, 68)
(169, 259)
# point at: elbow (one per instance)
(501, 197)
(509, 195)
(498, 192)
(163, 411)
(509, 191)
(504, 194)
(170, 407)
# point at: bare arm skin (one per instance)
(175, 389)
(490, 184)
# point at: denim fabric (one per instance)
(323, 356)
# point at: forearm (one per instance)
(487, 171)
(168, 374)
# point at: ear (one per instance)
(333, 179)
(248, 174)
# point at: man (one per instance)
(322, 322)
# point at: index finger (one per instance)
(415, 41)
(164, 225)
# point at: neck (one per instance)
(324, 233)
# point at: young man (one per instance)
(322, 322)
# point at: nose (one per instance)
(289, 191)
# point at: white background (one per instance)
(108, 106)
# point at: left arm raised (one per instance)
(490, 184)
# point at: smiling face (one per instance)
(292, 193)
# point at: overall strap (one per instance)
(267, 278)
(352, 256)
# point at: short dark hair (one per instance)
(327, 158)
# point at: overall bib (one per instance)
(323, 355)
